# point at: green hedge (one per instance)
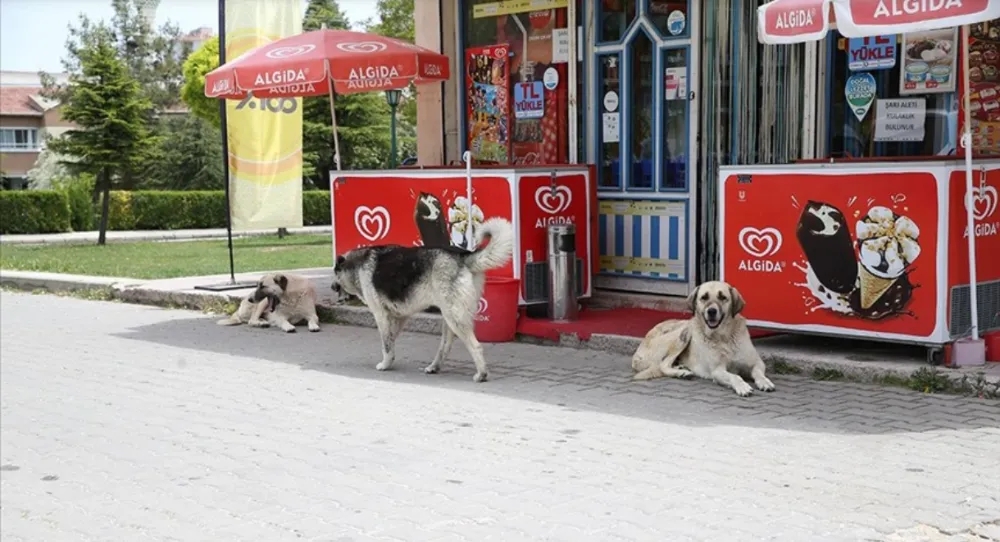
(48, 211)
(34, 211)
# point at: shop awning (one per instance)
(798, 21)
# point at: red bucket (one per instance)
(496, 317)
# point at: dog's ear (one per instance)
(736, 302)
(281, 281)
(692, 299)
(340, 261)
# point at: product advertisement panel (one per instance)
(428, 211)
(487, 82)
(853, 253)
(984, 82)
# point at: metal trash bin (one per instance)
(562, 272)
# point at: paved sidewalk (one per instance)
(857, 360)
(147, 424)
(82, 237)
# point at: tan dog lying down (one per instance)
(281, 300)
(713, 342)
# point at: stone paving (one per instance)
(124, 422)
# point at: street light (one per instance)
(392, 98)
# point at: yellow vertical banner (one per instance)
(265, 135)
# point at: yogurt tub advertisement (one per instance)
(929, 62)
(984, 100)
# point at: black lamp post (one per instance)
(392, 98)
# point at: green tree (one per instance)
(187, 156)
(109, 109)
(199, 63)
(395, 19)
(153, 58)
(362, 119)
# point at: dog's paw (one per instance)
(383, 366)
(431, 369)
(743, 389)
(290, 329)
(480, 377)
(684, 373)
(764, 384)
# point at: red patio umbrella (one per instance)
(324, 62)
(798, 21)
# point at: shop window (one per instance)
(641, 141)
(901, 103)
(675, 118)
(610, 130)
(615, 17)
(670, 17)
(531, 83)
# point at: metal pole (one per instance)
(970, 194)
(392, 140)
(225, 143)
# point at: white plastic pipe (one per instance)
(970, 196)
(469, 236)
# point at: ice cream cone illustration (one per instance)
(872, 287)
(888, 246)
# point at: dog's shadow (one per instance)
(579, 379)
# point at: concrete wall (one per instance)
(437, 105)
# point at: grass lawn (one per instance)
(160, 260)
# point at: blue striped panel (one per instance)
(674, 243)
(602, 233)
(637, 248)
(644, 237)
(619, 235)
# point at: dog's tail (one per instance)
(500, 249)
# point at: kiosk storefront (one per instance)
(662, 94)
(618, 92)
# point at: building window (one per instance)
(14, 183)
(19, 139)
(520, 113)
(892, 96)
(615, 17)
(609, 128)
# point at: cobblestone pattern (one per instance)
(123, 422)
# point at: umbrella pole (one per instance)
(970, 202)
(469, 235)
(336, 140)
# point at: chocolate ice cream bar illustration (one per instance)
(431, 222)
(825, 238)
(888, 245)
(458, 219)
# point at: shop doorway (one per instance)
(642, 118)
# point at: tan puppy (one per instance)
(293, 300)
(249, 311)
(710, 344)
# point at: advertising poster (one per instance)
(929, 62)
(984, 78)
(265, 135)
(529, 100)
(854, 250)
(487, 84)
(872, 53)
(414, 211)
(531, 33)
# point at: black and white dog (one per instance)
(397, 282)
